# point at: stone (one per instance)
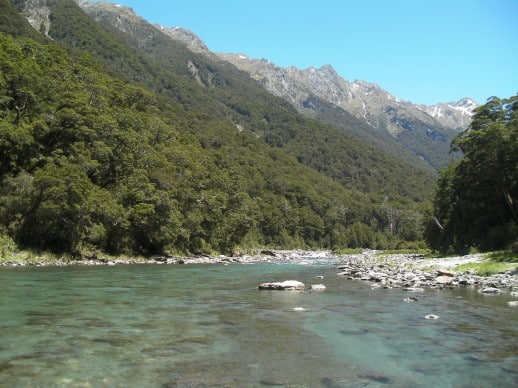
(317, 287)
(445, 273)
(431, 316)
(287, 285)
(489, 290)
(513, 303)
(445, 279)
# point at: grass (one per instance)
(504, 257)
(488, 267)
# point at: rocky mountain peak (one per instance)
(455, 115)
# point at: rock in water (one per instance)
(317, 287)
(489, 290)
(431, 316)
(287, 285)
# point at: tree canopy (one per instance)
(88, 161)
(476, 203)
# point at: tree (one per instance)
(476, 202)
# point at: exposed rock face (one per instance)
(366, 100)
(37, 13)
(192, 41)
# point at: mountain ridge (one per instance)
(435, 125)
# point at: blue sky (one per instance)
(423, 51)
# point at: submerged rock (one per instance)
(431, 316)
(287, 285)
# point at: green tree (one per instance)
(476, 200)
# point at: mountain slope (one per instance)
(424, 132)
(351, 161)
(109, 143)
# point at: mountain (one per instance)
(456, 115)
(117, 137)
(346, 159)
(424, 131)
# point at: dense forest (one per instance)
(108, 144)
(476, 202)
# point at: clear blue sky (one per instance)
(424, 51)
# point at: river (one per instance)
(208, 325)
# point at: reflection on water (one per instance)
(209, 326)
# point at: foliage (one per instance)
(111, 144)
(90, 162)
(476, 203)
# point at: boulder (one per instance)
(444, 279)
(489, 290)
(287, 285)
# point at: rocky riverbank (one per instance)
(261, 256)
(408, 271)
(414, 273)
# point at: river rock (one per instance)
(489, 290)
(444, 279)
(287, 285)
(431, 316)
(317, 287)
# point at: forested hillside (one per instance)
(476, 202)
(106, 147)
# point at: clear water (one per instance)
(208, 325)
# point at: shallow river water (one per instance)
(208, 325)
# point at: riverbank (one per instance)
(415, 273)
(259, 256)
(410, 271)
